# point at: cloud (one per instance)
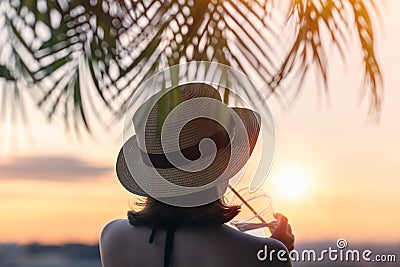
(51, 168)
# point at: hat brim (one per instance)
(130, 164)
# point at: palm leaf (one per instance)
(119, 44)
(313, 19)
(6, 74)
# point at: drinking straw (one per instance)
(248, 205)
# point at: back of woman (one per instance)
(124, 245)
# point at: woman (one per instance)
(183, 215)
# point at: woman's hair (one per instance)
(156, 213)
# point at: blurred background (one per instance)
(318, 63)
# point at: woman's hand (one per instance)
(283, 231)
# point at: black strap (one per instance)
(168, 246)
(168, 243)
(153, 233)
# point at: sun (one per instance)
(291, 182)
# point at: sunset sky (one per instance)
(55, 188)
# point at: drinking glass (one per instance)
(256, 216)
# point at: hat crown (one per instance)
(150, 117)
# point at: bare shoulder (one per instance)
(255, 251)
(114, 239)
(118, 226)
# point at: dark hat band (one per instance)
(160, 161)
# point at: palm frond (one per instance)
(316, 21)
(66, 47)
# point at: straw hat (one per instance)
(144, 166)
